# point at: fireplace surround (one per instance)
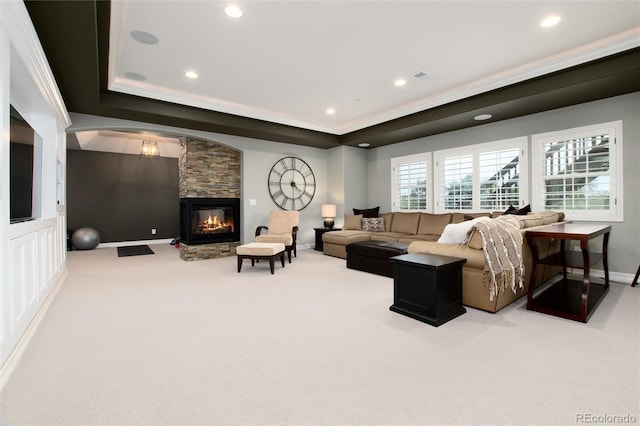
(209, 170)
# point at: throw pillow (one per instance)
(373, 212)
(456, 233)
(373, 224)
(520, 212)
(352, 221)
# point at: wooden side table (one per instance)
(571, 299)
(427, 287)
(319, 231)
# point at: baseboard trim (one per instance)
(12, 361)
(134, 243)
(614, 277)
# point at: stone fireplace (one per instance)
(209, 189)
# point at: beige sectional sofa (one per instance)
(421, 232)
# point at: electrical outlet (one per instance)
(153, 231)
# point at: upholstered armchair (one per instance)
(282, 228)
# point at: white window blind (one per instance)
(457, 180)
(499, 179)
(410, 182)
(578, 172)
(483, 177)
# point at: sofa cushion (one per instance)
(433, 223)
(372, 212)
(352, 221)
(546, 217)
(475, 258)
(406, 223)
(387, 236)
(540, 218)
(345, 237)
(388, 219)
(420, 237)
(373, 224)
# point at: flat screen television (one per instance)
(21, 160)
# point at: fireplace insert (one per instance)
(209, 220)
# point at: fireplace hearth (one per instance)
(209, 220)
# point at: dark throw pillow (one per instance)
(368, 212)
(520, 212)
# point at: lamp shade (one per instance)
(150, 149)
(328, 210)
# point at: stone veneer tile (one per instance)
(207, 169)
(207, 251)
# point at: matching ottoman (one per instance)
(373, 256)
(257, 251)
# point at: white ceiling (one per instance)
(288, 61)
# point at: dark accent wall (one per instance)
(123, 196)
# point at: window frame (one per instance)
(616, 191)
(425, 157)
(520, 143)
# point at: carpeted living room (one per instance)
(163, 341)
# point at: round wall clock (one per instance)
(292, 183)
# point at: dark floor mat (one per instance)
(134, 251)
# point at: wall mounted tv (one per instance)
(21, 160)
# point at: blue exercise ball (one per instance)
(85, 239)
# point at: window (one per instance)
(410, 184)
(485, 177)
(579, 171)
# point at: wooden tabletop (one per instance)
(570, 231)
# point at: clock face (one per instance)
(292, 183)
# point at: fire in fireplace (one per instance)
(209, 220)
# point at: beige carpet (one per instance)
(155, 340)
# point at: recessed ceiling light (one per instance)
(144, 37)
(482, 117)
(330, 111)
(364, 145)
(400, 82)
(233, 11)
(134, 76)
(191, 74)
(550, 21)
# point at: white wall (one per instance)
(32, 254)
(624, 251)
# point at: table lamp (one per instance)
(328, 212)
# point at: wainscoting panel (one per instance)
(36, 260)
(24, 268)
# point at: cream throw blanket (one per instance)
(502, 245)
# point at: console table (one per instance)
(567, 298)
